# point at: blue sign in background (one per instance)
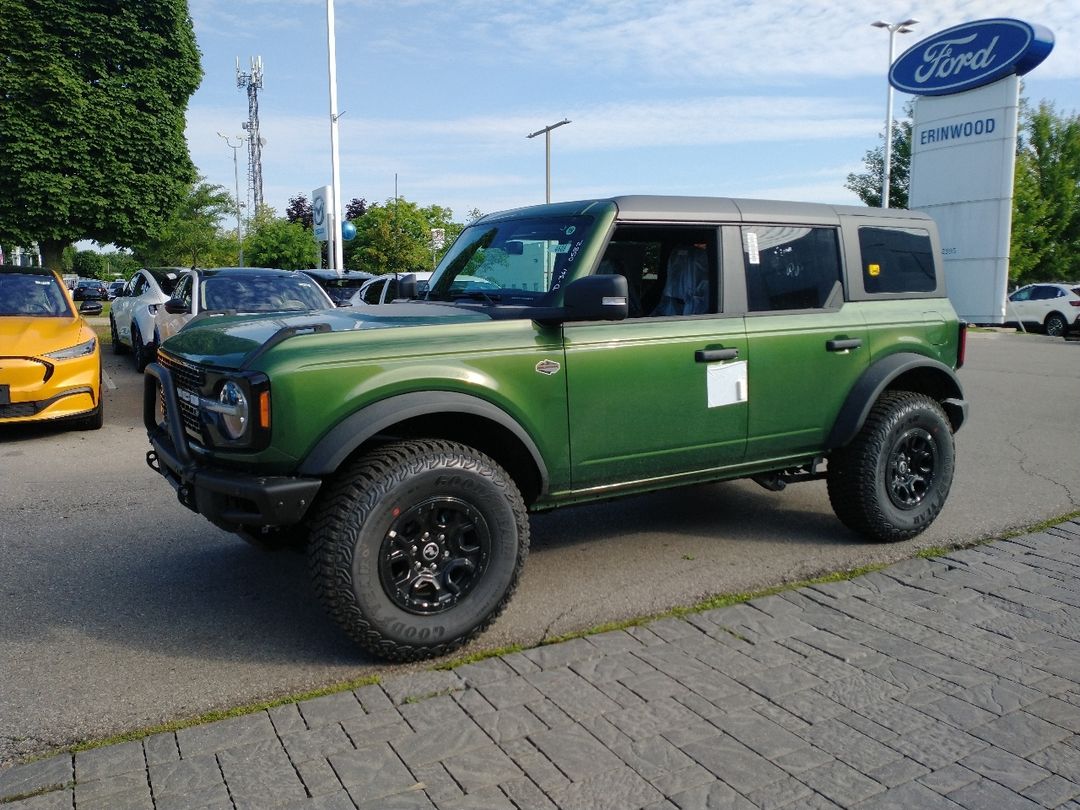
(970, 55)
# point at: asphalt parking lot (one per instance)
(124, 610)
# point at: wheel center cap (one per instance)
(430, 551)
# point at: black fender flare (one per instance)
(355, 429)
(879, 376)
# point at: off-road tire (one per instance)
(351, 529)
(117, 346)
(891, 481)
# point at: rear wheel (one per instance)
(417, 547)
(1055, 325)
(142, 352)
(891, 482)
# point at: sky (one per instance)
(774, 99)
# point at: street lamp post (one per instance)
(547, 153)
(236, 179)
(893, 29)
(335, 252)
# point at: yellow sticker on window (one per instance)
(873, 269)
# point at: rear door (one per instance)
(806, 346)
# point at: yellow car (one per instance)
(50, 358)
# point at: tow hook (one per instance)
(152, 461)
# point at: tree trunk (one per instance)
(52, 251)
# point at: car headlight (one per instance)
(234, 414)
(81, 350)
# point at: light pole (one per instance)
(334, 249)
(236, 179)
(893, 29)
(547, 153)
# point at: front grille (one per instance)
(188, 378)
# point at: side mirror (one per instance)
(176, 306)
(90, 308)
(407, 286)
(592, 298)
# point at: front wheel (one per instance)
(117, 346)
(417, 547)
(891, 482)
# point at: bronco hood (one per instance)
(225, 341)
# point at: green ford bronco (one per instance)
(566, 353)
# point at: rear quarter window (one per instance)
(897, 260)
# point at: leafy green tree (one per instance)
(392, 238)
(867, 185)
(276, 242)
(89, 264)
(1046, 201)
(191, 235)
(92, 106)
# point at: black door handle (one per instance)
(713, 355)
(842, 344)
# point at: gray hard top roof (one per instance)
(662, 208)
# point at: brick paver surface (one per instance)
(944, 683)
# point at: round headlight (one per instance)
(235, 422)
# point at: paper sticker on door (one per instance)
(726, 383)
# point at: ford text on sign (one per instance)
(970, 55)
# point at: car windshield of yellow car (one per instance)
(32, 295)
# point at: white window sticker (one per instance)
(726, 383)
(753, 256)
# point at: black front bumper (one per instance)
(228, 498)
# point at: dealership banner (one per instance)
(963, 148)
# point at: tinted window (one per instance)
(139, 287)
(790, 267)
(165, 279)
(370, 294)
(897, 260)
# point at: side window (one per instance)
(669, 271)
(897, 260)
(371, 294)
(138, 287)
(791, 267)
(183, 292)
(1023, 294)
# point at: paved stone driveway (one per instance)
(943, 683)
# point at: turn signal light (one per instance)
(264, 410)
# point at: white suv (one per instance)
(1054, 308)
(132, 315)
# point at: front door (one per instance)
(663, 393)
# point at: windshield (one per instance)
(255, 293)
(513, 261)
(35, 295)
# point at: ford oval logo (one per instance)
(970, 55)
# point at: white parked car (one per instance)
(384, 289)
(237, 290)
(1053, 308)
(131, 317)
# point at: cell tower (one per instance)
(253, 82)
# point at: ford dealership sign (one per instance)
(970, 55)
